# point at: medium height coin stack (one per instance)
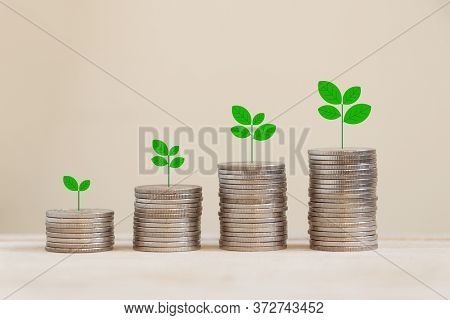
(252, 206)
(342, 207)
(79, 231)
(167, 219)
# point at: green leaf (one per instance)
(329, 92)
(264, 132)
(177, 162)
(241, 115)
(357, 114)
(159, 161)
(240, 132)
(174, 150)
(351, 95)
(258, 119)
(85, 185)
(70, 183)
(329, 112)
(160, 147)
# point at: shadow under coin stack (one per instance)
(167, 219)
(342, 208)
(79, 231)
(252, 206)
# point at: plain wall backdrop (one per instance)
(62, 115)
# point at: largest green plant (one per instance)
(356, 114)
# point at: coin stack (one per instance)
(342, 205)
(79, 231)
(167, 219)
(252, 206)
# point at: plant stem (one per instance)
(78, 200)
(342, 125)
(168, 171)
(251, 143)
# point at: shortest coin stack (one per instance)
(79, 231)
(167, 219)
(342, 207)
(252, 206)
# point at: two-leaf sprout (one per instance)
(163, 157)
(255, 131)
(332, 95)
(72, 184)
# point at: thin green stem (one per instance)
(342, 125)
(78, 200)
(168, 171)
(251, 143)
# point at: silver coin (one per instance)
(61, 250)
(79, 225)
(240, 216)
(252, 202)
(169, 211)
(254, 234)
(349, 210)
(168, 215)
(345, 201)
(363, 166)
(252, 196)
(253, 206)
(364, 215)
(80, 230)
(262, 192)
(274, 182)
(345, 239)
(163, 189)
(166, 250)
(253, 225)
(170, 220)
(80, 241)
(195, 224)
(341, 191)
(86, 236)
(138, 205)
(339, 229)
(279, 176)
(253, 239)
(372, 196)
(176, 239)
(149, 244)
(78, 221)
(345, 178)
(252, 230)
(343, 188)
(356, 183)
(329, 224)
(341, 151)
(169, 202)
(343, 174)
(325, 219)
(168, 229)
(175, 196)
(348, 161)
(83, 213)
(256, 187)
(77, 245)
(275, 210)
(251, 172)
(163, 233)
(264, 220)
(344, 159)
(253, 249)
(244, 166)
(344, 249)
(370, 206)
(360, 234)
(183, 222)
(251, 244)
(343, 243)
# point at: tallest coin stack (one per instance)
(252, 206)
(343, 198)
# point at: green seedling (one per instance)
(163, 157)
(72, 184)
(251, 127)
(356, 114)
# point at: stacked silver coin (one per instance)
(167, 219)
(252, 206)
(342, 207)
(79, 231)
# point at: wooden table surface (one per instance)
(399, 269)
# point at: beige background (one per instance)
(61, 115)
